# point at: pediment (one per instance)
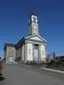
(35, 38)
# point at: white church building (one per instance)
(29, 48)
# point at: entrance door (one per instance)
(35, 52)
(11, 59)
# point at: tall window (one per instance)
(11, 59)
(36, 52)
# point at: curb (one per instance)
(52, 70)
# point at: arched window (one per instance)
(11, 59)
(34, 19)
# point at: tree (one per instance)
(54, 56)
(48, 58)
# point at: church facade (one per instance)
(29, 48)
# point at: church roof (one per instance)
(8, 45)
(32, 13)
(20, 43)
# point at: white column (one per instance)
(29, 52)
(42, 52)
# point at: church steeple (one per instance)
(33, 24)
(32, 13)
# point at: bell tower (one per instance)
(33, 25)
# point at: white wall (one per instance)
(22, 53)
(17, 52)
(29, 52)
(42, 51)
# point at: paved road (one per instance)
(23, 75)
